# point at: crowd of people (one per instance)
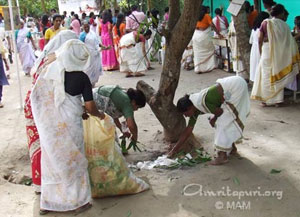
(76, 50)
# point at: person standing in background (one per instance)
(53, 30)
(118, 31)
(109, 59)
(114, 18)
(75, 25)
(255, 54)
(3, 79)
(92, 21)
(24, 47)
(134, 20)
(67, 20)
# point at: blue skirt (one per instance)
(3, 79)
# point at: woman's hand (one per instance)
(6, 66)
(212, 121)
(85, 116)
(101, 115)
(126, 134)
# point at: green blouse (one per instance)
(119, 97)
(213, 100)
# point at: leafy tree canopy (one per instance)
(33, 8)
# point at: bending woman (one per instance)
(117, 102)
(229, 102)
(57, 111)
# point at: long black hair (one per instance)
(277, 10)
(138, 96)
(106, 17)
(77, 18)
(259, 19)
(202, 12)
(120, 19)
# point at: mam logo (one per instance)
(238, 205)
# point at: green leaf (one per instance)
(129, 213)
(236, 180)
(275, 171)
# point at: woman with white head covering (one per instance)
(32, 133)
(24, 47)
(229, 102)
(92, 42)
(57, 111)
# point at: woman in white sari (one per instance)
(279, 63)
(31, 130)
(57, 111)
(229, 102)
(255, 55)
(24, 47)
(92, 42)
(134, 61)
(203, 47)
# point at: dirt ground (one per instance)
(272, 138)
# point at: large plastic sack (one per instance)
(108, 170)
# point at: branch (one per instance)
(148, 91)
(174, 13)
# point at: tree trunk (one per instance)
(43, 6)
(242, 35)
(115, 4)
(149, 6)
(179, 33)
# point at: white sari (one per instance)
(236, 108)
(255, 54)
(94, 71)
(65, 180)
(237, 63)
(187, 56)
(131, 55)
(25, 50)
(279, 64)
(204, 51)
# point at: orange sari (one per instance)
(117, 38)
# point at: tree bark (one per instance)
(43, 6)
(181, 28)
(149, 5)
(243, 35)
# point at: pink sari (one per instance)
(109, 59)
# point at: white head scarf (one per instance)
(71, 56)
(54, 44)
(198, 100)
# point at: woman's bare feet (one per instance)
(234, 150)
(220, 159)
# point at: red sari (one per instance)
(33, 137)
